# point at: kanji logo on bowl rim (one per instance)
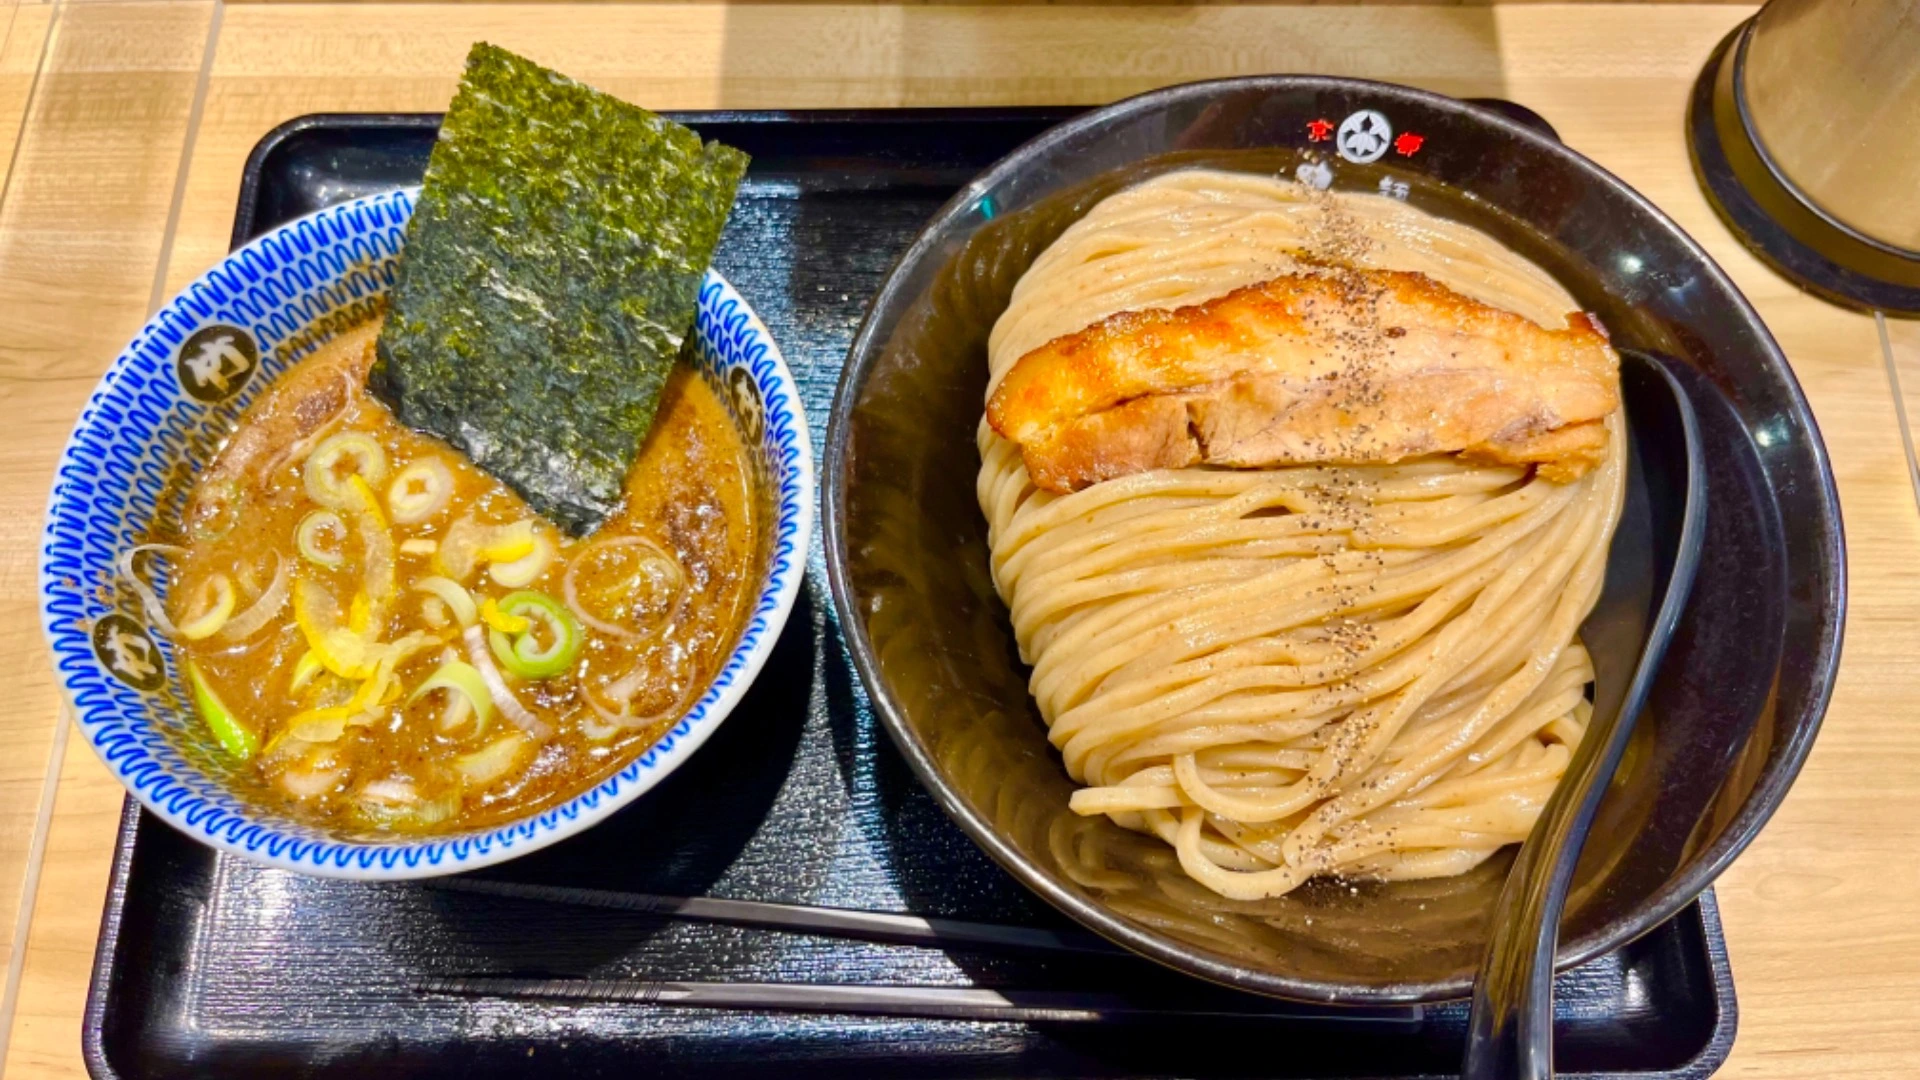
(216, 362)
(128, 653)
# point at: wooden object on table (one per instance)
(1826, 957)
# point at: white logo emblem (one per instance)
(123, 646)
(218, 361)
(1363, 137)
(130, 655)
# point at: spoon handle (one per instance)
(1510, 1036)
(1510, 1032)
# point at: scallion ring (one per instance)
(458, 600)
(307, 537)
(217, 600)
(523, 653)
(461, 678)
(527, 568)
(331, 486)
(420, 491)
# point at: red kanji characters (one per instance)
(1408, 142)
(1319, 130)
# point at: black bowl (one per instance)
(1745, 680)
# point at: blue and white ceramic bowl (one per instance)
(166, 404)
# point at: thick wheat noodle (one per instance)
(1370, 671)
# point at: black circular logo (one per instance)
(216, 362)
(125, 649)
(746, 403)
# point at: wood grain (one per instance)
(27, 734)
(80, 234)
(1826, 955)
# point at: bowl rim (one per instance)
(87, 690)
(1661, 905)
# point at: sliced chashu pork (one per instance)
(1331, 366)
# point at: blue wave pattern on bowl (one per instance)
(142, 423)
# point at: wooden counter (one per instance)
(141, 115)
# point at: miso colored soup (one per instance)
(391, 641)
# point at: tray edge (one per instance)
(93, 1048)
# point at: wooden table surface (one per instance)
(124, 127)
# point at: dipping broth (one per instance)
(391, 641)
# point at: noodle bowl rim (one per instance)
(904, 283)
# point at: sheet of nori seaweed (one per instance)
(548, 280)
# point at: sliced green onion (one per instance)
(461, 677)
(459, 708)
(326, 484)
(306, 537)
(458, 600)
(492, 761)
(526, 569)
(233, 738)
(523, 654)
(420, 491)
(215, 611)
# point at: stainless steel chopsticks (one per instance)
(885, 927)
(935, 1002)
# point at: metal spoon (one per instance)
(1510, 1032)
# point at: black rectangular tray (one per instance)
(211, 966)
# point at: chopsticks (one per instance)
(927, 1002)
(858, 999)
(883, 927)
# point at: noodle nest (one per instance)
(1363, 671)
